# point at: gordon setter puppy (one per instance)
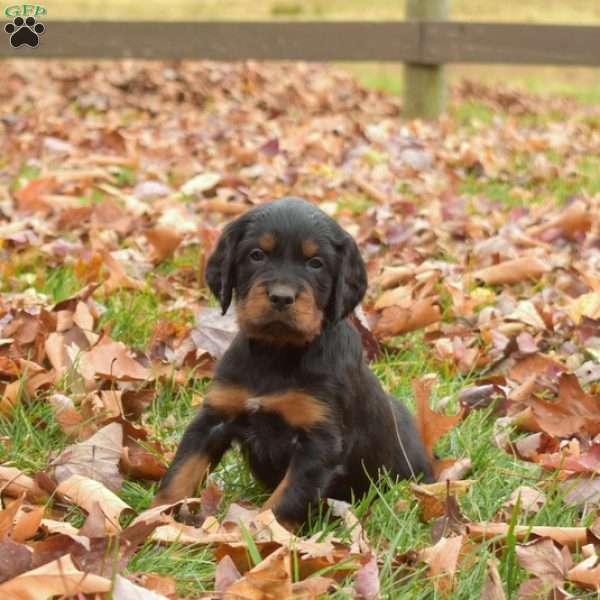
(293, 389)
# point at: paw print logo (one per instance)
(24, 32)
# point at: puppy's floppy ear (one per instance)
(220, 268)
(351, 281)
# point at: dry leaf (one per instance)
(513, 271)
(58, 578)
(492, 585)
(14, 482)
(443, 561)
(366, 580)
(86, 492)
(396, 320)
(269, 579)
(96, 458)
(542, 559)
(431, 425)
(111, 360)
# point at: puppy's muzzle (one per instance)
(281, 296)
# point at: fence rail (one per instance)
(428, 43)
(425, 45)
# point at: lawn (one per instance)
(120, 177)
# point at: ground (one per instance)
(123, 174)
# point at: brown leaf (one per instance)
(312, 588)
(97, 458)
(443, 561)
(431, 425)
(124, 589)
(164, 241)
(530, 500)
(366, 580)
(542, 559)
(492, 585)
(85, 492)
(586, 573)
(396, 320)
(162, 584)
(513, 271)
(14, 559)
(14, 482)
(111, 360)
(572, 537)
(58, 578)
(226, 574)
(138, 463)
(7, 517)
(271, 578)
(118, 277)
(26, 522)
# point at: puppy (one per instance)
(293, 388)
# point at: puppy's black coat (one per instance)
(293, 388)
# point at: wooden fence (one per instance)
(424, 45)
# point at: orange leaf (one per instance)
(513, 271)
(431, 425)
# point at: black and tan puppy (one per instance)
(293, 388)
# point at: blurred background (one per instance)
(583, 83)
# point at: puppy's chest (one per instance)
(298, 409)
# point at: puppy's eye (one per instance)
(257, 255)
(315, 263)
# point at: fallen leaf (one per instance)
(366, 580)
(226, 574)
(586, 573)
(164, 241)
(572, 537)
(492, 585)
(14, 482)
(530, 500)
(85, 492)
(58, 578)
(542, 559)
(271, 578)
(111, 360)
(97, 458)
(123, 589)
(443, 561)
(431, 425)
(396, 320)
(512, 271)
(214, 332)
(14, 559)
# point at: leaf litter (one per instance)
(119, 189)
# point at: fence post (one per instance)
(425, 85)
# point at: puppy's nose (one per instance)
(281, 296)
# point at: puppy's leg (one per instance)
(203, 444)
(312, 468)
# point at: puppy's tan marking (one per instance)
(274, 499)
(184, 482)
(254, 307)
(267, 242)
(307, 316)
(227, 398)
(296, 408)
(309, 248)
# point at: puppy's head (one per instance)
(292, 268)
